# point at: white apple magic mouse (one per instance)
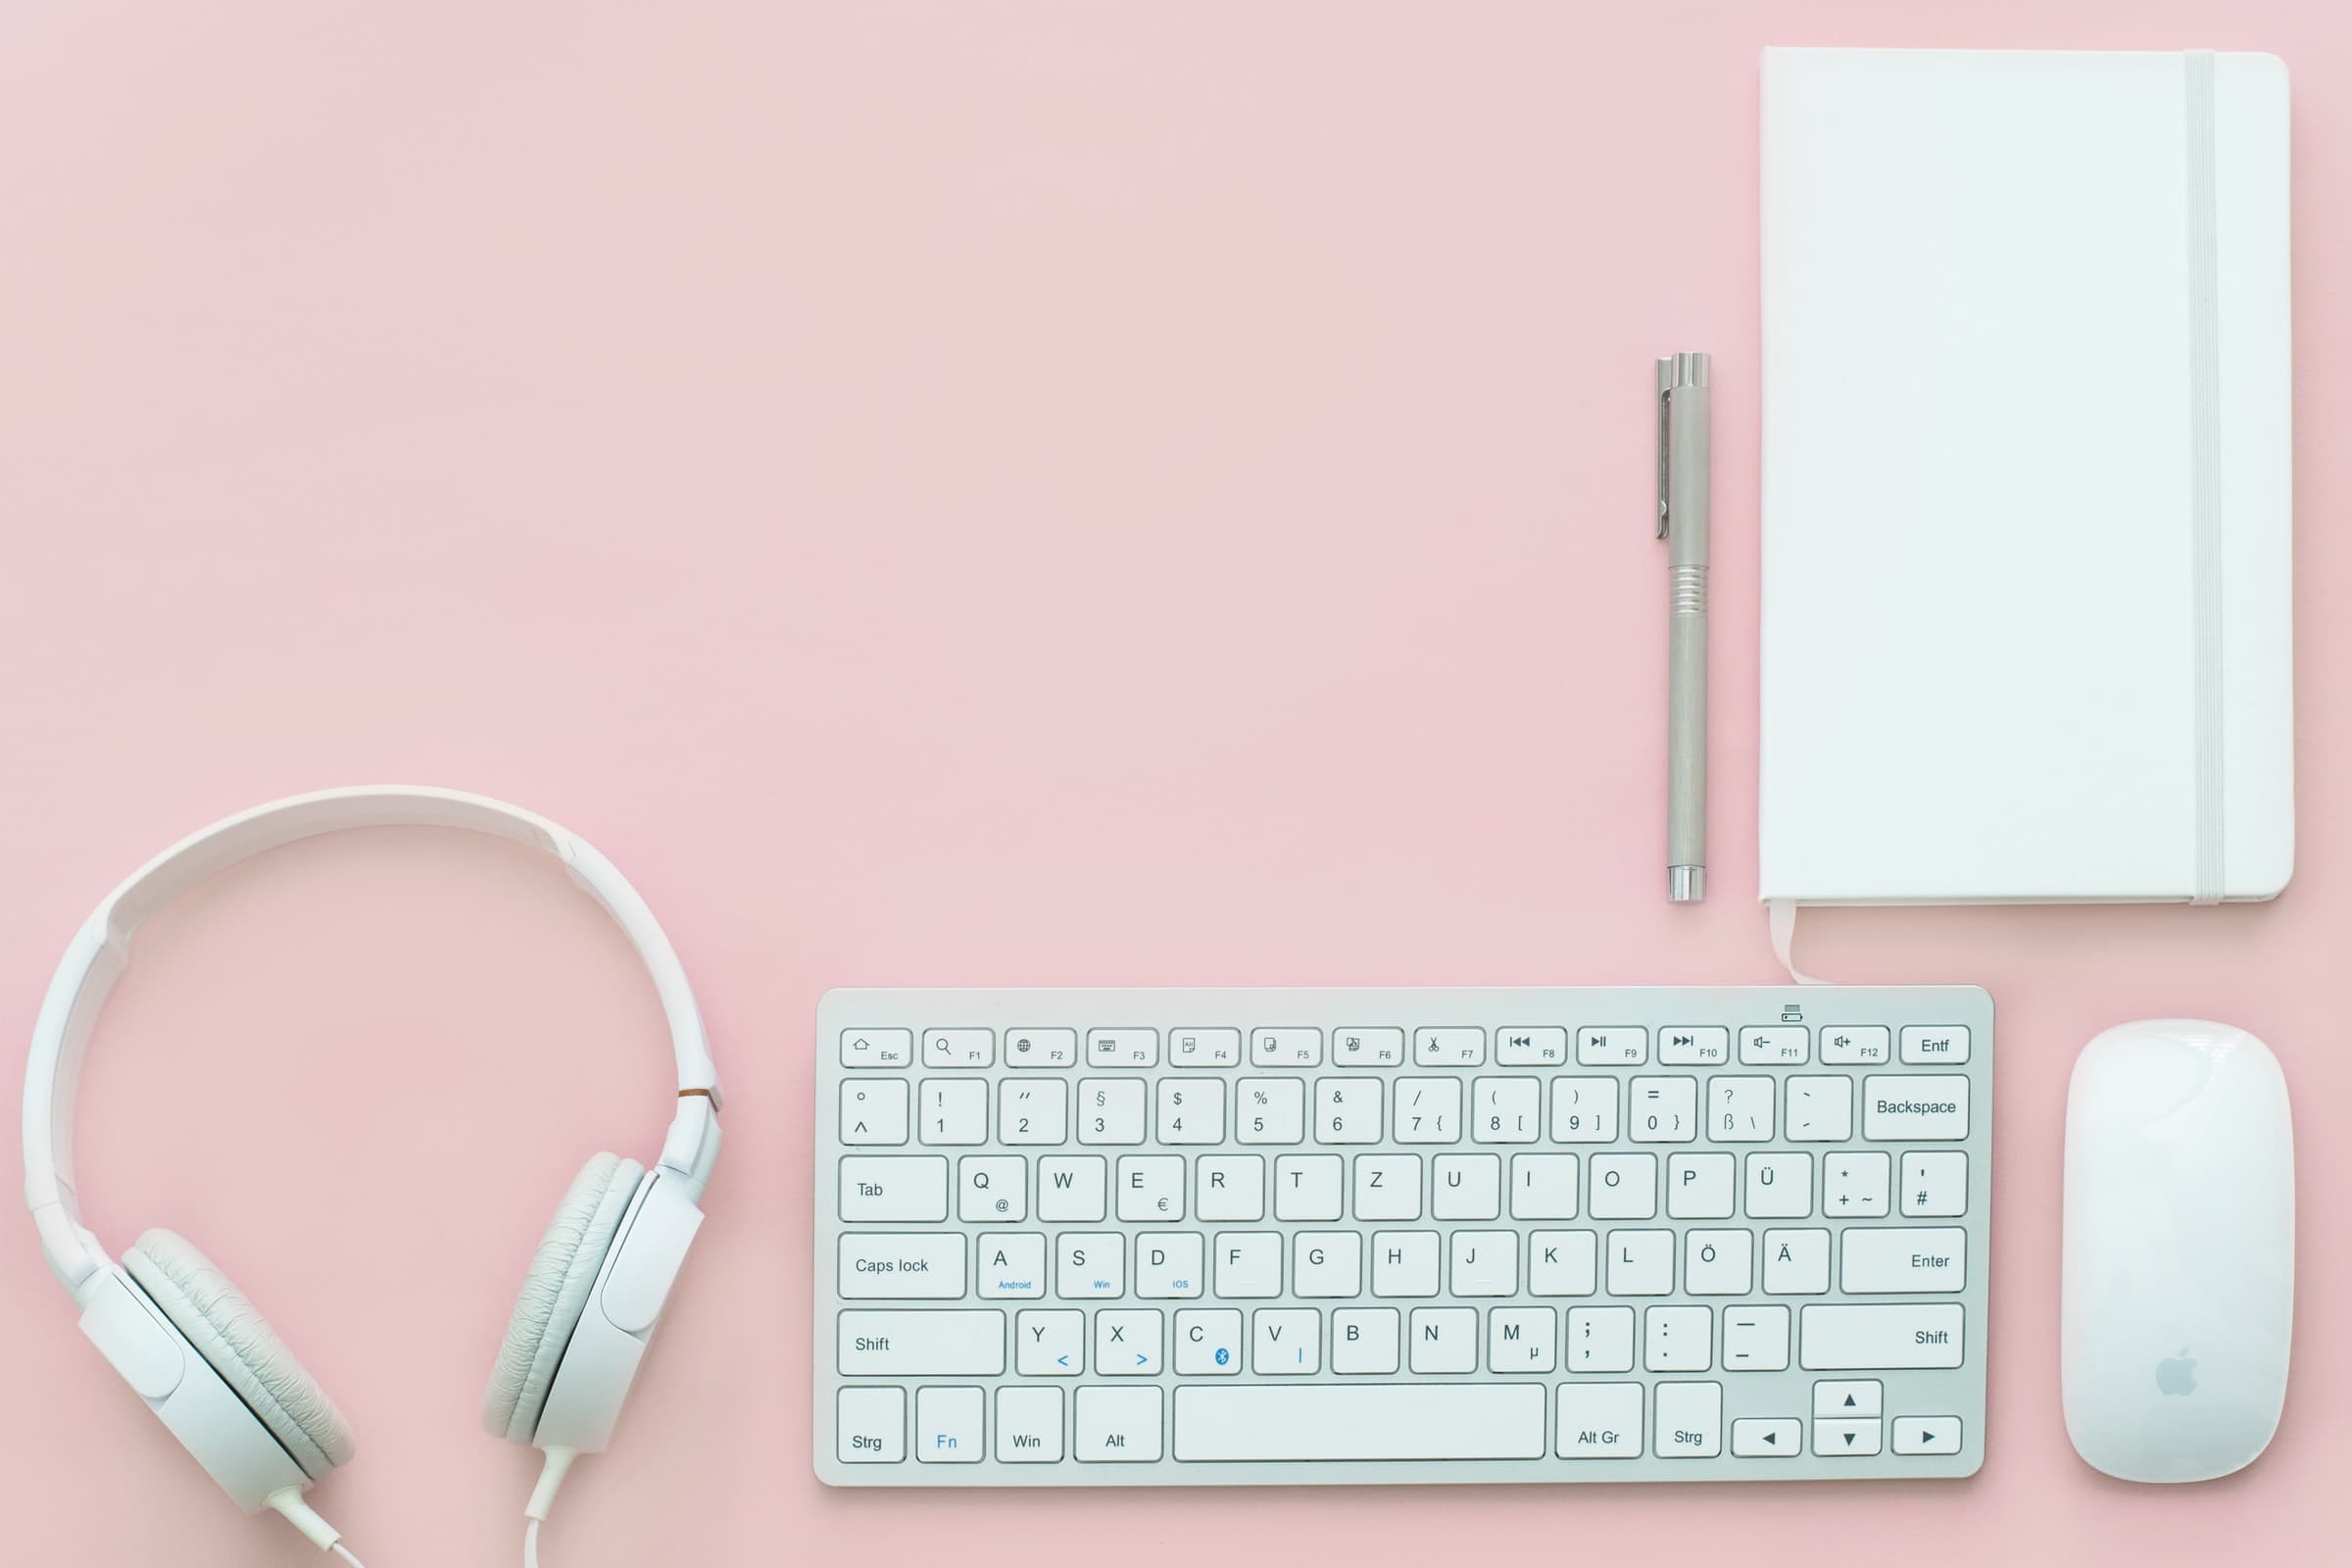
(2179, 1273)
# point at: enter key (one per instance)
(1910, 1261)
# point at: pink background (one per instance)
(1049, 494)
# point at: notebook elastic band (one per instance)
(2205, 465)
(1781, 913)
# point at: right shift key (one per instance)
(1853, 1339)
(1906, 1109)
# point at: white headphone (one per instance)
(207, 1364)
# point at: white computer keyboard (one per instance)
(1173, 1238)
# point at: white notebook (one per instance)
(2027, 502)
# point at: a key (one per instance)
(1641, 1262)
(1663, 1111)
(1238, 1423)
(1622, 1187)
(1885, 1262)
(1546, 1047)
(991, 1189)
(1204, 1047)
(1028, 1426)
(1601, 1339)
(873, 1110)
(1429, 1111)
(1740, 1110)
(878, 1048)
(1601, 1420)
(902, 1187)
(1049, 1344)
(1444, 1339)
(1364, 1340)
(1505, 1111)
(1584, 1111)
(1542, 1186)
(1466, 1187)
(1388, 1187)
(1127, 1342)
(1285, 1342)
(1367, 1048)
(1285, 1048)
(1347, 1111)
(1834, 1337)
(1404, 1263)
(1626, 1046)
(1119, 1426)
(1269, 1110)
(1327, 1263)
(1010, 1266)
(1307, 1187)
(1853, 1186)
(1820, 1110)
(1930, 1046)
(1688, 1420)
(1169, 1265)
(948, 1424)
(1151, 1187)
(1122, 1047)
(1755, 1339)
(1522, 1340)
(1090, 1265)
(900, 1267)
(1698, 1186)
(1033, 1112)
(1561, 1262)
(1796, 1262)
(1450, 1047)
(1774, 1046)
(1485, 1263)
(871, 1427)
(1849, 1399)
(954, 1111)
(959, 1048)
(1718, 1262)
(1111, 1110)
(1072, 1188)
(1248, 1264)
(1693, 1047)
(1229, 1187)
(1191, 1110)
(1778, 1187)
(1208, 1343)
(1914, 1110)
(1935, 1183)
(1855, 1046)
(1041, 1047)
(1678, 1339)
(920, 1343)
(1767, 1437)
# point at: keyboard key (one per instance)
(1925, 1434)
(991, 1189)
(1755, 1339)
(1718, 1262)
(1248, 1264)
(1029, 1425)
(1689, 1420)
(1404, 1263)
(1127, 1342)
(1230, 1187)
(1796, 1262)
(1774, 1046)
(1854, 1186)
(1119, 1426)
(1945, 1046)
(1600, 1421)
(1450, 1047)
(1337, 1421)
(1208, 1343)
(899, 1342)
(948, 1425)
(1699, 1186)
(1522, 1340)
(1386, 1187)
(1012, 1264)
(954, 1111)
(1845, 1440)
(1584, 1111)
(1530, 1047)
(1622, 1187)
(1327, 1263)
(1507, 1110)
(1601, 1339)
(1111, 1110)
(1678, 1339)
(1820, 1110)
(1204, 1047)
(1641, 1262)
(1033, 1112)
(1364, 1340)
(1072, 1188)
(1367, 1048)
(1838, 1337)
(1444, 1339)
(1170, 1265)
(1269, 1110)
(1466, 1187)
(1767, 1437)
(1485, 1263)
(1049, 1344)
(1542, 1186)
(1307, 1187)
(1887, 1262)
(1850, 1399)
(1626, 1046)
(959, 1048)
(1285, 1048)
(1739, 1109)
(904, 1187)
(871, 1428)
(1347, 1111)
(1285, 1342)
(1912, 1110)
(873, 1110)
(1778, 1187)
(1429, 1111)
(1694, 1048)
(1854, 1045)
(1090, 1265)
(878, 1048)
(1935, 1183)
(901, 1267)
(1191, 1110)
(1041, 1047)
(1561, 1263)
(1122, 1047)
(1151, 1187)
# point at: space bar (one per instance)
(1324, 1421)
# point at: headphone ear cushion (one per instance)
(239, 1344)
(555, 1293)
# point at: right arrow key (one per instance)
(1927, 1434)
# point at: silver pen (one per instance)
(1683, 524)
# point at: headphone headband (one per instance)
(102, 948)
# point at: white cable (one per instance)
(530, 1545)
(344, 1552)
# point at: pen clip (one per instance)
(1665, 435)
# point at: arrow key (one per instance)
(1839, 1440)
(1847, 1400)
(1767, 1437)
(1927, 1434)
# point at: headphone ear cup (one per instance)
(190, 1290)
(555, 1293)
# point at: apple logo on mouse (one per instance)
(2177, 1374)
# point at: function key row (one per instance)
(1535, 1046)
